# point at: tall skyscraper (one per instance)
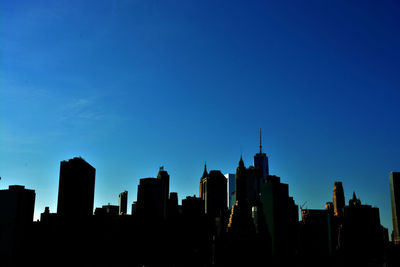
(76, 188)
(241, 220)
(150, 198)
(16, 215)
(394, 180)
(230, 189)
(338, 198)
(213, 192)
(123, 203)
(164, 177)
(261, 162)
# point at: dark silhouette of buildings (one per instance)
(163, 176)
(123, 203)
(16, 216)
(150, 198)
(338, 198)
(76, 188)
(394, 180)
(107, 210)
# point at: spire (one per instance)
(205, 173)
(241, 163)
(354, 195)
(260, 143)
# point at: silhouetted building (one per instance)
(261, 162)
(315, 237)
(16, 216)
(338, 199)
(164, 177)
(361, 236)
(123, 203)
(329, 207)
(172, 205)
(76, 188)
(241, 220)
(202, 190)
(107, 210)
(394, 180)
(230, 189)
(214, 193)
(151, 198)
(193, 206)
(281, 215)
(134, 208)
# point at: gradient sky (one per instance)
(133, 85)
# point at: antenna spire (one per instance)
(260, 142)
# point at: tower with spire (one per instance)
(261, 162)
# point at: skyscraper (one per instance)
(76, 188)
(164, 177)
(338, 198)
(261, 162)
(123, 203)
(230, 189)
(394, 180)
(150, 198)
(214, 193)
(16, 215)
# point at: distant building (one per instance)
(338, 199)
(150, 198)
(281, 214)
(315, 235)
(214, 193)
(123, 203)
(394, 180)
(241, 220)
(193, 207)
(76, 188)
(108, 210)
(164, 177)
(261, 162)
(16, 216)
(230, 188)
(172, 205)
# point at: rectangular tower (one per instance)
(123, 203)
(394, 180)
(76, 188)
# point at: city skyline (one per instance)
(132, 86)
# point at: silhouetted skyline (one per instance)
(132, 86)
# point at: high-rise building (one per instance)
(230, 189)
(213, 192)
(281, 214)
(241, 220)
(338, 199)
(76, 188)
(123, 203)
(16, 215)
(394, 180)
(261, 162)
(150, 198)
(164, 177)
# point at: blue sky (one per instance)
(133, 85)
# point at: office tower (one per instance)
(107, 210)
(16, 216)
(163, 176)
(76, 188)
(338, 198)
(281, 214)
(193, 207)
(240, 220)
(315, 236)
(214, 193)
(172, 205)
(394, 180)
(123, 203)
(202, 182)
(361, 236)
(261, 162)
(150, 198)
(230, 189)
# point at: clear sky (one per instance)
(133, 85)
